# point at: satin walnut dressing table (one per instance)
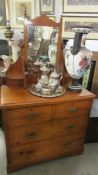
(38, 129)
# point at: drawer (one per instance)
(27, 116)
(72, 109)
(45, 150)
(47, 130)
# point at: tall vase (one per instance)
(77, 58)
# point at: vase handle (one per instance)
(77, 43)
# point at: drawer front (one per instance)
(27, 116)
(45, 150)
(72, 109)
(46, 130)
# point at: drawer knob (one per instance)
(72, 110)
(26, 152)
(70, 127)
(30, 135)
(31, 116)
(30, 152)
(67, 143)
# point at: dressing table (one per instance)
(39, 129)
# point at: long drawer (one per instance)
(46, 130)
(27, 116)
(45, 150)
(72, 109)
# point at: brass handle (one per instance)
(30, 152)
(27, 152)
(31, 116)
(72, 110)
(30, 135)
(70, 127)
(67, 143)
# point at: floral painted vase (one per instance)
(77, 58)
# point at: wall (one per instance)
(91, 44)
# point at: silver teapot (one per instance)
(54, 81)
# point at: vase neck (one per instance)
(83, 41)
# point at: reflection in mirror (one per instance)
(42, 44)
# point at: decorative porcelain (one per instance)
(78, 64)
(52, 53)
(14, 52)
(53, 46)
(6, 63)
(77, 58)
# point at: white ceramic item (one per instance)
(77, 58)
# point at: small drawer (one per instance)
(72, 109)
(48, 130)
(27, 116)
(73, 126)
(45, 150)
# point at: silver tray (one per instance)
(57, 93)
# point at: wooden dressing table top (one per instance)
(18, 96)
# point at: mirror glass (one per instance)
(42, 43)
